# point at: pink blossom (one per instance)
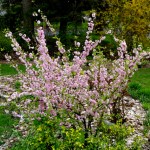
(81, 90)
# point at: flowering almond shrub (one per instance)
(81, 93)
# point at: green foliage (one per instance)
(3, 22)
(128, 19)
(17, 85)
(73, 35)
(7, 69)
(5, 45)
(13, 16)
(137, 144)
(45, 134)
(48, 134)
(109, 46)
(110, 137)
(73, 138)
(144, 63)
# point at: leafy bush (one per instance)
(109, 46)
(145, 62)
(79, 99)
(5, 45)
(48, 134)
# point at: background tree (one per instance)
(102, 18)
(129, 19)
(13, 14)
(27, 16)
(64, 12)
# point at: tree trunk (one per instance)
(27, 16)
(63, 29)
(129, 41)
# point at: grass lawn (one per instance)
(142, 76)
(139, 88)
(7, 69)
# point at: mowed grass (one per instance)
(139, 88)
(142, 76)
(7, 69)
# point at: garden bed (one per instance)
(135, 114)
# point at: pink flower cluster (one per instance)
(83, 95)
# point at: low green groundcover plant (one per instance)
(5, 45)
(74, 96)
(48, 134)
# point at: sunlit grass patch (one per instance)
(7, 69)
(139, 88)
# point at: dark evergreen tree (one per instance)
(13, 16)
